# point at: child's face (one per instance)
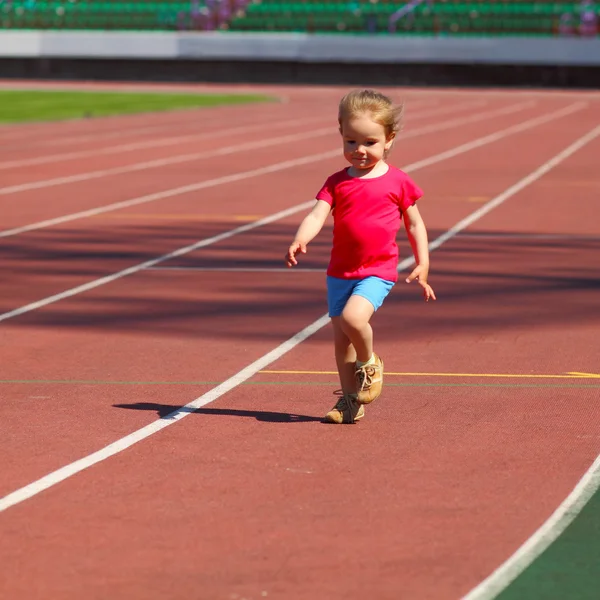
(365, 142)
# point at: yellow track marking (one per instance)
(569, 375)
(585, 375)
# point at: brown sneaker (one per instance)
(369, 381)
(346, 410)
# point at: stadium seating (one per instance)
(105, 15)
(436, 17)
(441, 17)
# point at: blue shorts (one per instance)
(374, 289)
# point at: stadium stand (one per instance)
(442, 17)
(119, 15)
(428, 17)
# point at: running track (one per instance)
(142, 271)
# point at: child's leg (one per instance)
(345, 358)
(354, 323)
(347, 409)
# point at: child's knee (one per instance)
(353, 319)
(357, 313)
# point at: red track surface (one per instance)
(252, 496)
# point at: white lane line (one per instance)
(452, 109)
(158, 122)
(158, 143)
(519, 128)
(280, 215)
(93, 212)
(122, 444)
(499, 235)
(590, 482)
(508, 93)
(541, 540)
(163, 162)
(517, 187)
(106, 127)
(95, 136)
(222, 133)
(241, 269)
(67, 471)
(251, 146)
(84, 137)
(194, 187)
(150, 263)
(435, 127)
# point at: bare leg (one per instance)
(354, 323)
(347, 409)
(345, 358)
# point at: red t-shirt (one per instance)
(366, 219)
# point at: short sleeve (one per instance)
(409, 194)
(326, 192)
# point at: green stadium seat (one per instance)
(449, 17)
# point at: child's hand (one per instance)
(290, 257)
(420, 273)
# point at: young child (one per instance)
(368, 201)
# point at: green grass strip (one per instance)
(570, 568)
(19, 106)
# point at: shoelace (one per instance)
(346, 404)
(365, 377)
(343, 404)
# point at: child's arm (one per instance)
(417, 236)
(309, 228)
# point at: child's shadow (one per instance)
(166, 411)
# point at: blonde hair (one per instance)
(380, 107)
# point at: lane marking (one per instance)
(319, 90)
(100, 382)
(122, 444)
(157, 122)
(585, 375)
(569, 375)
(174, 140)
(517, 187)
(241, 270)
(50, 139)
(182, 216)
(249, 146)
(164, 162)
(499, 235)
(411, 168)
(477, 143)
(246, 373)
(588, 95)
(47, 382)
(155, 143)
(570, 183)
(152, 262)
(560, 519)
